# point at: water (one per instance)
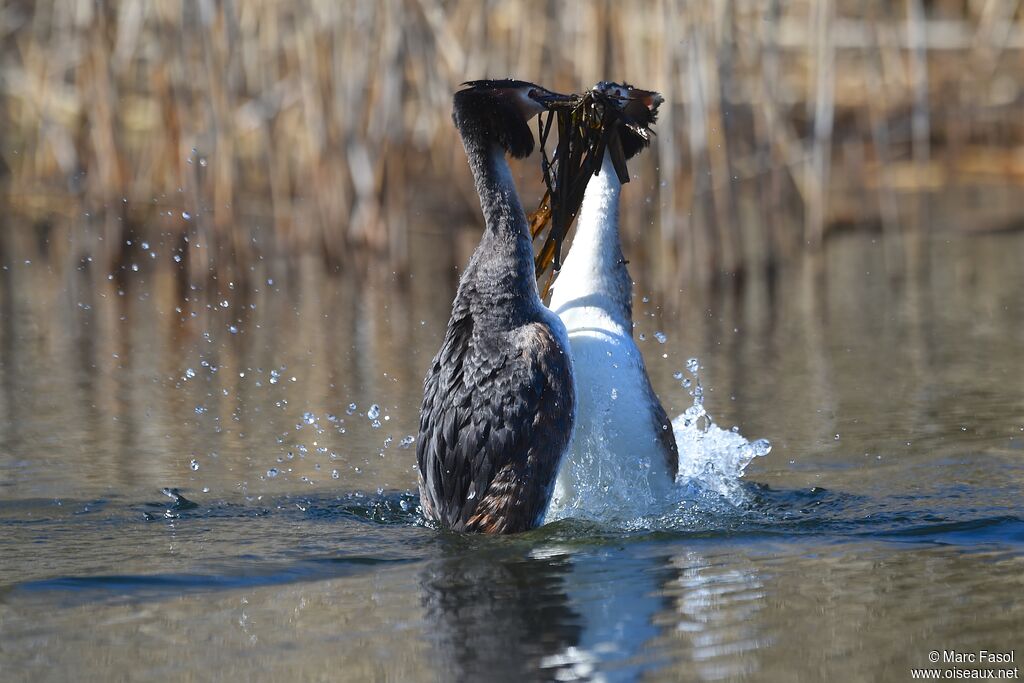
(884, 523)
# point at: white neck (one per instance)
(594, 274)
(597, 230)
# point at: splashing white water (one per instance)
(711, 458)
(712, 461)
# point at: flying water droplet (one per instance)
(374, 412)
(186, 215)
(194, 464)
(693, 365)
(273, 472)
(406, 441)
(660, 336)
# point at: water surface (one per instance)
(885, 523)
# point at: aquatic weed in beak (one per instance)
(587, 125)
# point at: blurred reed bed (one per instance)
(238, 129)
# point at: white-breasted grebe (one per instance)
(623, 450)
(498, 399)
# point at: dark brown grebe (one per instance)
(498, 400)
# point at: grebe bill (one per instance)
(498, 399)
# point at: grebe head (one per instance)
(500, 110)
(639, 110)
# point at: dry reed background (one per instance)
(323, 126)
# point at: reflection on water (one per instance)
(718, 610)
(886, 521)
(478, 604)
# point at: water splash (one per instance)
(711, 459)
(712, 462)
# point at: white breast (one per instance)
(615, 465)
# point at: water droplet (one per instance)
(177, 258)
(272, 472)
(643, 337)
(335, 474)
(374, 412)
(203, 162)
(660, 336)
(375, 424)
(677, 375)
(352, 407)
(190, 373)
(309, 418)
(762, 447)
(194, 464)
(224, 303)
(693, 365)
(615, 394)
(406, 441)
(201, 409)
(186, 215)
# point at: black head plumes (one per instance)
(499, 111)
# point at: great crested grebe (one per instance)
(498, 399)
(623, 450)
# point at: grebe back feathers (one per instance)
(498, 400)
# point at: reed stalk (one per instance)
(323, 126)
